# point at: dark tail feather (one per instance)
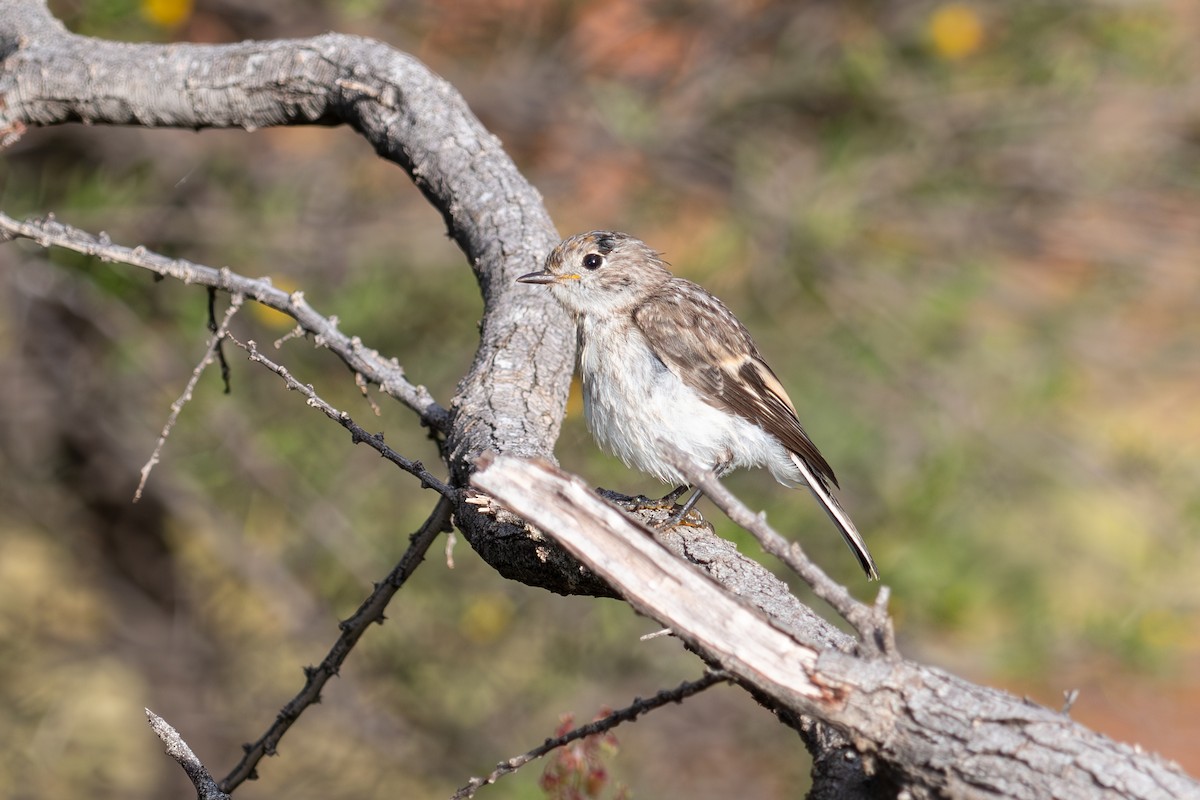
(839, 516)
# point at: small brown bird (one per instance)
(662, 359)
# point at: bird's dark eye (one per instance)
(593, 260)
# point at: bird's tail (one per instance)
(839, 516)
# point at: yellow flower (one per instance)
(167, 13)
(955, 31)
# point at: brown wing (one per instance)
(704, 344)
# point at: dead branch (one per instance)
(50, 76)
(389, 375)
(872, 622)
(219, 332)
(315, 678)
(177, 748)
(912, 726)
(358, 433)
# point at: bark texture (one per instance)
(912, 728)
(512, 398)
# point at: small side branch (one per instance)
(873, 624)
(215, 329)
(389, 375)
(630, 713)
(359, 434)
(211, 352)
(352, 629)
(177, 748)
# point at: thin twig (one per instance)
(607, 723)
(352, 629)
(218, 333)
(656, 634)
(214, 328)
(873, 624)
(177, 748)
(387, 373)
(357, 432)
(364, 387)
(1069, 698)
(295, 333)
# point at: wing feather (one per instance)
(704, 344)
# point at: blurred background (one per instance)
(965, 236)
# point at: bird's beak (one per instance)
(538, 277)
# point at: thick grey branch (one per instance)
(512, 398)
(913, 726)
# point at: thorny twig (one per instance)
(628, 714)
(352, 629)
(48, 232)
(357, 432)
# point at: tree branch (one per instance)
(872, 622)
(912, 726)
(358, 433)
(513, 396)
(177, 748)
(390, 376)
(352, 629)
(219, 331)
(629, 713)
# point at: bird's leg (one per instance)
(670, 497)
(683, 511)
(680, 515)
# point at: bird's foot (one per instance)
(687, 517)
(643, 503)
(684, 513)
(662, 513)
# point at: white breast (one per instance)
(631, 400)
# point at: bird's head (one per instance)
(600, 272)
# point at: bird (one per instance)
(662, 359)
